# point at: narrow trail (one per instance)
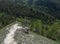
(10, 36)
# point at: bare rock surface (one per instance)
(23, 38)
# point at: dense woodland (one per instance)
(39, 19)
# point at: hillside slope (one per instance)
(50, 6)
(22, 37)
